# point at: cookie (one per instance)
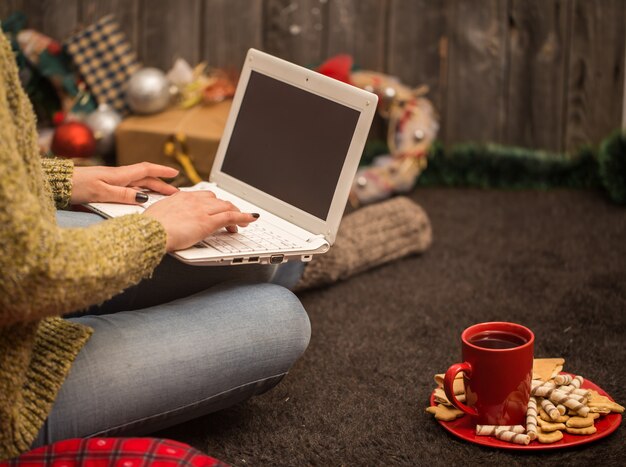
(560, 419)
(443, 413)
(549, 426)
(441, 398)
(548, 437)
(579, 422)
(544, 368)
(581, 431)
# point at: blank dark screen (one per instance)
(290, 143)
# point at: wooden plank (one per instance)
(59, 18)
(358, 28)
(537, 61)
(596, 72)
(169, 30)
(296, 29)
(231, 27)
(417, 47)
(126, 13)
(475, 104)
(56, 18)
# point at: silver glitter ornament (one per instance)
(148, 91)
(103, 123)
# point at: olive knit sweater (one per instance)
(46, 271)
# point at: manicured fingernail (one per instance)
(255, 215)
(141, 197)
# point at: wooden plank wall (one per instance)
(536, 73)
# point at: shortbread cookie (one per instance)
(443, 413)
(602, 402)
(441, 398)
(549, 426)
(579, 422)
(548, 437)
(439, 377)
(544, 368)
(581, 431)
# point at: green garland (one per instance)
(496, 166)
(612, 160)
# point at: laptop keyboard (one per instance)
(254, 238)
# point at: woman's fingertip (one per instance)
(141, 197)
(256, 215)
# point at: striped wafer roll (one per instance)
(578, 397)
(574, 390)
(531, 418)
(490, 430)
(562, 409)
(547, 388)
(577, 381)
(542, 386)
(512, 437)
(561, 380)
(550, 409)
(542, 390)
(559, 397)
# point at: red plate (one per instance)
(465, 428)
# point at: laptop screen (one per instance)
(290, 143)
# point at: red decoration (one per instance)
(73, 139)
(54, 48)
(337, 67)
(58, 118)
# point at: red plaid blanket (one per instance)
(118, 452)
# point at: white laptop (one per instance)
(290, 150)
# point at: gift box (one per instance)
(144, 138)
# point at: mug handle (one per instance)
(448, 386)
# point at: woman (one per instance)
(184, 343)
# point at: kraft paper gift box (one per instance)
(143, 138)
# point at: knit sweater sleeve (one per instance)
(58, 173)
(47, 270)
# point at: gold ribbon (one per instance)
(176, 147)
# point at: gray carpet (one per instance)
(554, 261)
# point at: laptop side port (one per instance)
(276, 259)
(237, 260)
(253, 259)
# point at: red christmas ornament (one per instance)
(73, 139)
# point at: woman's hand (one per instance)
(120, 184)
(190, 216)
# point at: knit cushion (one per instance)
(124, 452)
(369, 237)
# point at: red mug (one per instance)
(497, 369)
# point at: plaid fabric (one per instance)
(119, 452)
(105, 60)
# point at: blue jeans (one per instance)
(185, 343)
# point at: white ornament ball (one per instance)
(103, 123)
(148, 91)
